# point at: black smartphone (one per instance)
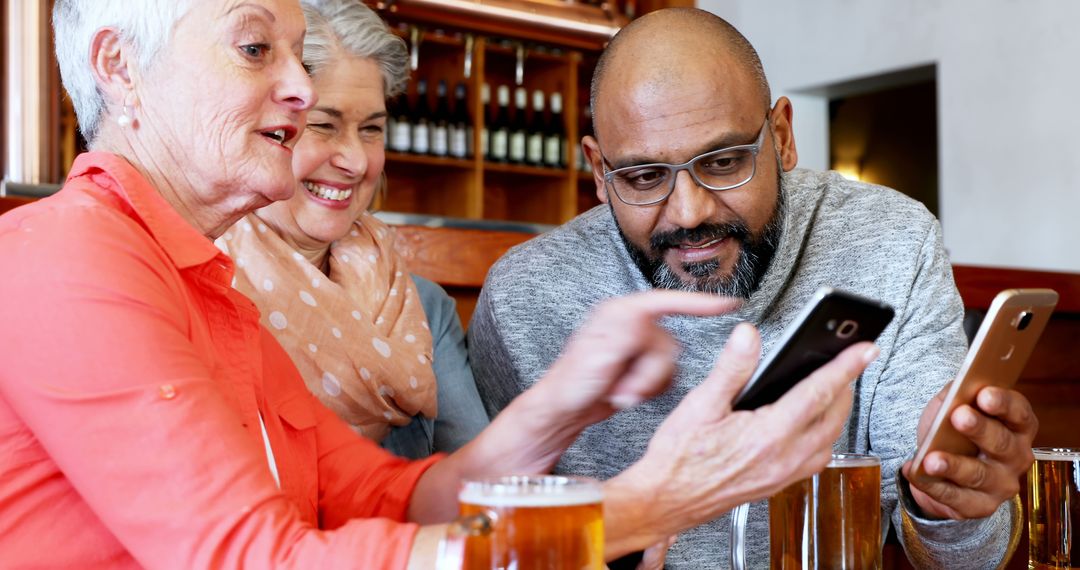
(830, 322)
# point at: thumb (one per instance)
(733, 368)
(655, 555)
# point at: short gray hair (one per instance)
(146, 24)
(348, 27)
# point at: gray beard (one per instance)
(756, 253)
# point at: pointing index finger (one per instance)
(658, 303)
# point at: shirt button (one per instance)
(167, 391)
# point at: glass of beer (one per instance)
(1054, 509)
(527, 523)
(831, 520)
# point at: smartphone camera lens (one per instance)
(1024, 320)
(847, 328)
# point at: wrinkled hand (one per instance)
(621, 356)
(1002, 426)
(706, 459)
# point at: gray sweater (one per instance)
(861, 238)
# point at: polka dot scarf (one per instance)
(358, 335)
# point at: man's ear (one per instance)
(783, 133)
(112, 63)
(591, 149)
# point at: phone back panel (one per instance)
(835, 321)
(998, 354)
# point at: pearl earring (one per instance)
(124, 120)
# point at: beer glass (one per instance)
(1054, 509)
(831, 520)
(527, 523)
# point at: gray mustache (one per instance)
(702, 233)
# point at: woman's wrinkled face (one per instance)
(225, 102)
(339, 160)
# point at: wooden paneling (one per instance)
(454, 256)
(978, 285)
(458, 259)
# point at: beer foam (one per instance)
(852, 460)
(1056, 454)
(531, 492)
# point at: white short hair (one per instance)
(337, 28)
(146, 24)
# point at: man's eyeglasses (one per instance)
(723, 169)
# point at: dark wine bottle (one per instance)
(581, 163)
(401, 133)
(519, 133)
(439, 131)
(421, 141)
(555, 137)
(461, 125)
(500, 127)
(534, 148)
(485, 138)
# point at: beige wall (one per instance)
(1008, 131)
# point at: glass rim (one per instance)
(531, 491)
(1056, 453)
(840, 460)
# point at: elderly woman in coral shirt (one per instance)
(147, 420)
(384, 350)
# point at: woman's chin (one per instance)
(276, 192)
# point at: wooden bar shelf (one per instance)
(524, 169)
(427, 160)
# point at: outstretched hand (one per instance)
(621, 356)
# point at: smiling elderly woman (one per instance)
(147, 420)
(382, 349)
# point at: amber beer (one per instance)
(536, 523)
(832, 520)
(1054, 509)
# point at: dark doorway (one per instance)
(883, 130)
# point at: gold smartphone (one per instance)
(997, 356)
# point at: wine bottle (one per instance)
(534, 149)
(391, 114)
(583, 164)
(420, 136)
(439, 131)
(485, 139)
(555, 135)
(461, 125)
(519, 133)
(401, 134)
(500, 127)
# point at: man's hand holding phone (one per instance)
(707, 458)
(1002, 425)
(975, 436)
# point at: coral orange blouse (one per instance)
(132, 379)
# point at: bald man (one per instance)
(695, 166)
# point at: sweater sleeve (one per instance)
(929, 347)
(497, 379)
